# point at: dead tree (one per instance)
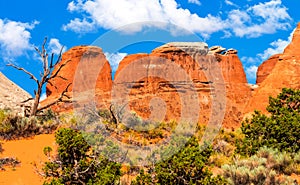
(46, 75)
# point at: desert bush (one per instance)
(223, 147)
(279, 130)
(77, 163)
(48, 115)
(3, 114)
(218, 159)
(187, 166)
(14, 126)
(268, 166)
(8, 161)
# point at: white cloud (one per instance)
(250, 60)
(230, 3)
(251, 72)
(80, 26)
(15, 38)
(112, 14)
(114, 59)
(72, 7)
(251, 65)
(197, 2)
(263, 18)
(55, 46)
(253, 21)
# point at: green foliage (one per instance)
(3, 114)
(268, 166)
(77, 163)
(142, 179)
(280, 130)
(188, 166)
(48, 115)
(13, 126)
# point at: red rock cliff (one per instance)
(237, 90)
(85, 63)
(136, 73)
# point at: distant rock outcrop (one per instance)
(279, 71)
(217, 50)
(12, 96)
(164, 74)
(266, 68)
(157, 75)
(89, 59)
(139, 74)
(237, 90)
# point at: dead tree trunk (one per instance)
(46, 75)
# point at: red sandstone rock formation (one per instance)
(86, 63)
(177, 65)
(164, 75)
(179, 76)
(266, 68)
(237, 90)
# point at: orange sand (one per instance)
(28, 151)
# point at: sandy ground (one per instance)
(28, 151)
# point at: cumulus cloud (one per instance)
(248, 21)
(263, 18)
(114, 59)
(110, 14)
(15, 38)
(55, 46)
(197, 2)
(80, 26)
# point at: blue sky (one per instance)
(257, 29)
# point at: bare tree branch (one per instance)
(60, 99)
(59, 56)
(52, 84)
(45, 77)
(27, 100)
(51, 60)
(58, 70)
(38, 51)
(25, 71)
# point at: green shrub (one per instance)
(77, 163)
(218, 160)
(13, 126)
(142, 179)
(187, 166)
(3, 114)
(268, 166)
(280, 130)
